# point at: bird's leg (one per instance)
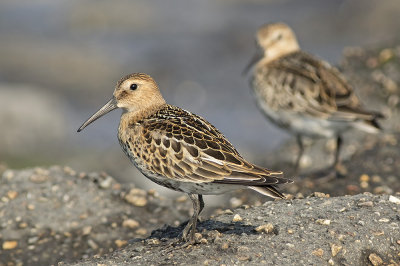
(338, 146)
(301, 151)
(201, 203)
(190, 229)
(338, 167)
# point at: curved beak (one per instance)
(108, 107)
(256, 57)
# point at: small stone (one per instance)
(365, 204)
(153, 241)
(12, 194)
(203, 241)
(136, 201)
(376, 179)
(197, 237)
(33, 239)
(378, 233)
(228, 211)
(86, 230)
(299, 196)
(375, 259)
(92, 244)
(38, 178)
(8, 174)
(141, 231)
(266, 228)
(398, 242)
(331, 262)
(384, 220)
(318, 252)
(394, 199)
(224, 245)
(120, 243)
(237, 218)
(106, 183)
(22, 225)
(364, 178)
(364, 185)
(335, 249)
(181, 199)
(130, 223)
(136, 197)
(320, 195)
(9, 244)
(30, 207)
(152, 192)
(290, 231)
(323, 221)
(68, 170)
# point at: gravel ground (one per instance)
(351, 230)
(55, 214)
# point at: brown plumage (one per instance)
(302, 93)
(180, 150)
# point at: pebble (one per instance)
(92, 244)
(237, 218)
(153, 241)
(365, 204)
(30, 207)
(197, 237)
(323, 221)
(384, 220)
(33, 239)
(181, 199)
(364, 178)
(86, 230)
(318, 252)
(136, 197)
(12, 194)
(335, 249)
(38, 178)
(228, 211)
(224, 245)
(130, 223)
(394, 199)
(8, 174)
(9, 244)
(141, 231)
(266, 228)
(120, 243)
(106, 183)
(320, 195)
(375, 259)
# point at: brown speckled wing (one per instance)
(182, 146)
(320, 90)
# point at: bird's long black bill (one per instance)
(108, 107)
(256, 57)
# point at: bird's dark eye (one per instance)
(133, 86)
(279, 37)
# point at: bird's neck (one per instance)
(132, 117)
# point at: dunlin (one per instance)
(180, 150)
(302, 93)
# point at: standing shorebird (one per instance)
(180, 150)
(302, 93)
